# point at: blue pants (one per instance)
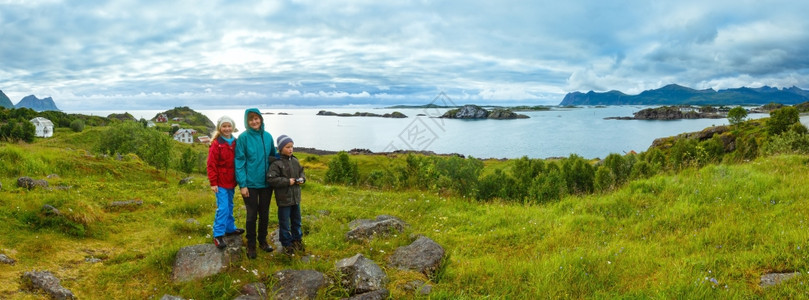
(224, 221)
(289, 224)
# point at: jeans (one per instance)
(289, 224)
(223, 221)
(258, 205)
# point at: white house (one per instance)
(185, 135)
(44, 127)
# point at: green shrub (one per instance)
(781, 119)
(579, 174)
(342, 170)
(77, 125)
(549, 186)
(605, 179)
(789, 142)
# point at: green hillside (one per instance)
(702, 231)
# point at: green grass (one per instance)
(699, 234)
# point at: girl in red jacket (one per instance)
(222, 175)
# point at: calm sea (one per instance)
(555, 133)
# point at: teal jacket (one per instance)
(252, 153)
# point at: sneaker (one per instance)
(251, 252)
(219, 242)
(266, 247)
(238, 231)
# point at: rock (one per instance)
(48, 283)
(49, 210)
(468, 111)
(255, 290)
(130, 205)
(373, 295)
(171, 297)
(52, 176)
(771, 279)
(7, 260)
(25, 182)
(360, 274)
(298, 284)
(363, 229)
(186, 180)
(199, 261)
(191, 221)
(419, 286)
(505, 114)
(423, 255)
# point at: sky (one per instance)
(208, 54)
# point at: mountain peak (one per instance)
(675, 94)
(37, 104)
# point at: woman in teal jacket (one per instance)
(252, 151)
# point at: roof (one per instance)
(41, 121)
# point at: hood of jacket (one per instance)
(246, 121)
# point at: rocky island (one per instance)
(471, 111)
(395, 114)
(674, 113)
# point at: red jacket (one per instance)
(221, 170)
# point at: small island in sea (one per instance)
(395, 114)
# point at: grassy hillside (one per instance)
(701, 233)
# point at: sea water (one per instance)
(558, 132)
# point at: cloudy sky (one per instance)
(159, 54)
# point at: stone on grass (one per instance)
(384, 225)
(298, 284)
(7, 260)
(47, 282)
(200, 261)
(423, 255)
(360, 274)
(771, 279)
(372, 295)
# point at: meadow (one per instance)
(702, 232)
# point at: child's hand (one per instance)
(215, 188)
(291, 181)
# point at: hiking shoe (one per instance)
(289, 250)
(298, 246)
(266, 247)
(238, 231)
(251, 252)
(219, 242)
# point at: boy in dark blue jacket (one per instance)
(286, 177)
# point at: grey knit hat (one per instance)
(224, 119)
(283, 140)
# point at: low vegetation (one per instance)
(691, 217)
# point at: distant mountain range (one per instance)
(31, 102)
(674, 94)
(37, 104)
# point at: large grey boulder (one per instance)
(200, 261)
(423, 255)
(360, 274)
(298, 284)
(384, 225)
(47, 282)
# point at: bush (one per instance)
(18, 130)
(789, 142)
(579, 174)
(781, 119)
(342, 170)
(150, 145)
(604, 179)
(77, 125)
(549, 186)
